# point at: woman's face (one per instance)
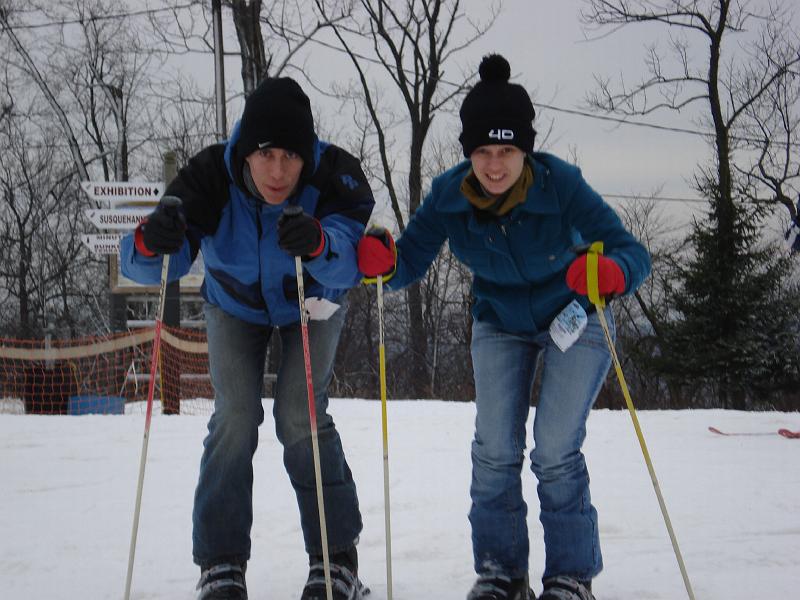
(497, 167)
(275, 172)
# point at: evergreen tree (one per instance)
(734, 326)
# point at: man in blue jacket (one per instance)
(233, 199)
(518, 219)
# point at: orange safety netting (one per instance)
(105, 374)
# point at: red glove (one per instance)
(610, 278)
(377, 254)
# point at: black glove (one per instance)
(164, 230)
(299, 233)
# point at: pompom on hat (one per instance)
(496, 111)
(277, 114)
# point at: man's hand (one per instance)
(377, 254)
(163, 231)
(299, 233)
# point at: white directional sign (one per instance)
(121, 218)
(102, 243)
(124, 192)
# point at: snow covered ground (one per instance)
(67, 488)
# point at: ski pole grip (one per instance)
(293, 210)
(171, 204)
(579, 249)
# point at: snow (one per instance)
(69, 483)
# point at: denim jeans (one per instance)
(223, 504)
(505, 365)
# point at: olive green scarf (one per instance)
(497, 205)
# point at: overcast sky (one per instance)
(550, 53)
(551, 56)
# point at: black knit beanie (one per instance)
(496, 111)
(277, 114)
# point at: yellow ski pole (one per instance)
(594, 297)
(385, 427)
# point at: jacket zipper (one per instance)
(259, 230)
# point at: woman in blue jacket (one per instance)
(233, 198)
(518, 219)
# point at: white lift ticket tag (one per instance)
(320, 309)
(568, 326)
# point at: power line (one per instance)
(621, 121)
(130, 141)
(571, 111)
(649, 197)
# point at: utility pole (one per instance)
(219, 69)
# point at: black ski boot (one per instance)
(344, 578)
(224, 581)
(563, 587)
(494, 586)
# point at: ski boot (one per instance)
(563, 587)
(495, 586)
(224, 581)
(344, 578)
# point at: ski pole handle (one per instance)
(171, 201)
(293, 210)
(171, 205)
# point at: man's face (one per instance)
(497, 167)
(275, 172)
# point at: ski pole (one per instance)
(170, 202)
(594, 297)
(312, 413)
(385, 428)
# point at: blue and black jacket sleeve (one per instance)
(343, 208)
(203, 187)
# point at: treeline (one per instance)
(106, 92)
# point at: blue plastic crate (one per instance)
(96, 405)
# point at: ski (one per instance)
(787, 433)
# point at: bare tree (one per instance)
(32, 69)
(271, 38)
(247, 20)
(769, 130)
(290, 26)
(184, 119)
(91, 74)
(750, 96)
(411, 44)
(45, 269)
(84, 83)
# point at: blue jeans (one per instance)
(505, 365)
(223, 504)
